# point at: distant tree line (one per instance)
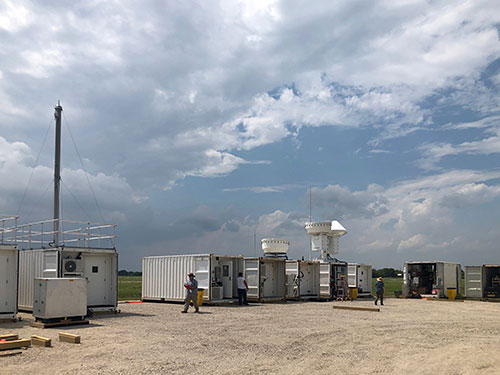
(386, 272)
(129, 273)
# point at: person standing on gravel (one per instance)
(191, 293)
(380, 289)
(242, 289)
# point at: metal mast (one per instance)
(57, 172)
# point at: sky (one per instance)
(202, 125)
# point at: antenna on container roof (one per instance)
(310, 219)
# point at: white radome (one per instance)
(274, 246)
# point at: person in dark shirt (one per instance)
(380, 289)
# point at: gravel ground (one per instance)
(405, 337)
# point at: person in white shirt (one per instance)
(242, 289)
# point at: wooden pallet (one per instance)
(374, 309)
(61, 323)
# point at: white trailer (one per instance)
(333, 279)
(433, 278)
(8, 281)
(266, 279)
(163, 277)
(99, 266)
(359, 276)
(302, 279)
(482, 281)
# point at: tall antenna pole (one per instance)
(255, 242)
(310, 220)
(57, 172)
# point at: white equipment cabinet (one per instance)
(60, 298)
(8, 281)
(360, 276)
(163, 277)
(98, 266)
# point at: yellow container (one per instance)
(353, 292)
(200, 296)
(452, 293)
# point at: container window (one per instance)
(95, 269)
(225, 271)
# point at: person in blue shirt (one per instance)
(379, 289)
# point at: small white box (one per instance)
(60, 298)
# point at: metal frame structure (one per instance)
(40, 234)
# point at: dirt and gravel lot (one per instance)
(406, 337)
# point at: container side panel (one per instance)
(440, 279)
(252, 276)
(31, 265)
(352, 275)
(473, 281)
(202, 273)
(324, 280)
(8, 281)
(164, 277)
(292, 279)
(51, 263)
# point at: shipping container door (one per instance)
(8, 281)
(227, 279)
(202, 273)
(474, 281)
(98, 272)
(352, 275)
(252, 275)
(325, 274)
(292, 274)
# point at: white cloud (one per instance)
(113, 193)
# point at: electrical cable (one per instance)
(83, 167)
(34, 167)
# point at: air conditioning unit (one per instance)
(72, 267)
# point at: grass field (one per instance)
(129, 288)
(391, 284)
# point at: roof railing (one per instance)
(41, 234)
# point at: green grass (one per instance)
(129, 288)
(391, 284)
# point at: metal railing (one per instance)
(8, 225)
(41, 234)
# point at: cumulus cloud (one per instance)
(29, 188)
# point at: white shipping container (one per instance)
(266, 279)
(163, 277)
(302, 279)
(8, 281)
(435, 277)
(360, 276)
(482, 281)
(98, 266)
(60, 298)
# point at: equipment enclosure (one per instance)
(266, 279)
(430, 278)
